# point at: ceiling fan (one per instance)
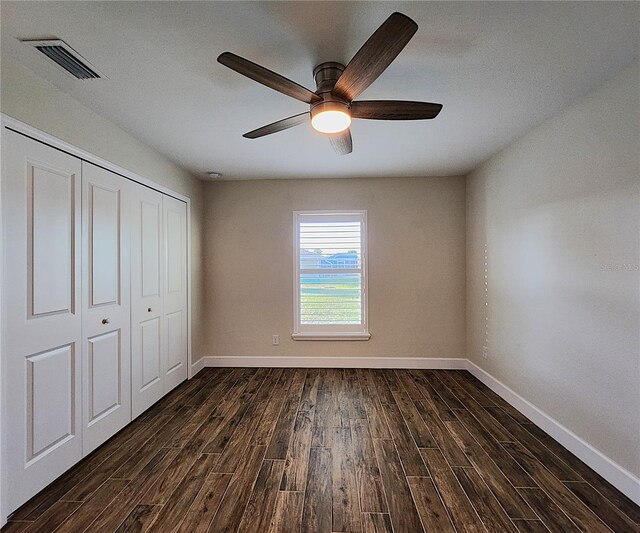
(333, 104)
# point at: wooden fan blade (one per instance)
(280, 125)
(394, 110)
(341, 142)
(375, 56)
(267, 77)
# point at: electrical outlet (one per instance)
(485, 352)
(275, 340)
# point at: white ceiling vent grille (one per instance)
(66, 58)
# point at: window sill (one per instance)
(331, 336)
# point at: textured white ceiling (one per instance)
(499, 68)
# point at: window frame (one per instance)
(332, 331)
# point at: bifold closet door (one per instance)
(106, 364)
(175, 292)
(41, 311)
(147, 273)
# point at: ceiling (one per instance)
(498, 68)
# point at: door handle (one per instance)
(149, 309)
(105, 320)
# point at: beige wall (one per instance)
(416, 265)
(31, 99)
(552, 209)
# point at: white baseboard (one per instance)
(615, 474)
(336, 362)
(196, 367)
(618, 476)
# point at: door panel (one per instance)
(147, 248)
(50, 218)
(150, 242)
(41, 317)
(175, 292)
(106, 319)
(150, 352)
(50, 410)
(104, 244)
(175, 245)
(175, 340)
(105, 361)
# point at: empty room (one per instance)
(320, 266)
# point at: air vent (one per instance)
(66, 58)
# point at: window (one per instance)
(330, 284)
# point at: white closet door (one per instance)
(106, 364)
(147, 266)
(41, 316)
(175, 292)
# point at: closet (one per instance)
(94, 310)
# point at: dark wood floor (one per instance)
(296, 450)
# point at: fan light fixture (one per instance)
(331, 121)
(330, 116)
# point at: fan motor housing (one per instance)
(326, 75)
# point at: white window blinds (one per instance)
(330, 273)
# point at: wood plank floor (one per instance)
(326, 450)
